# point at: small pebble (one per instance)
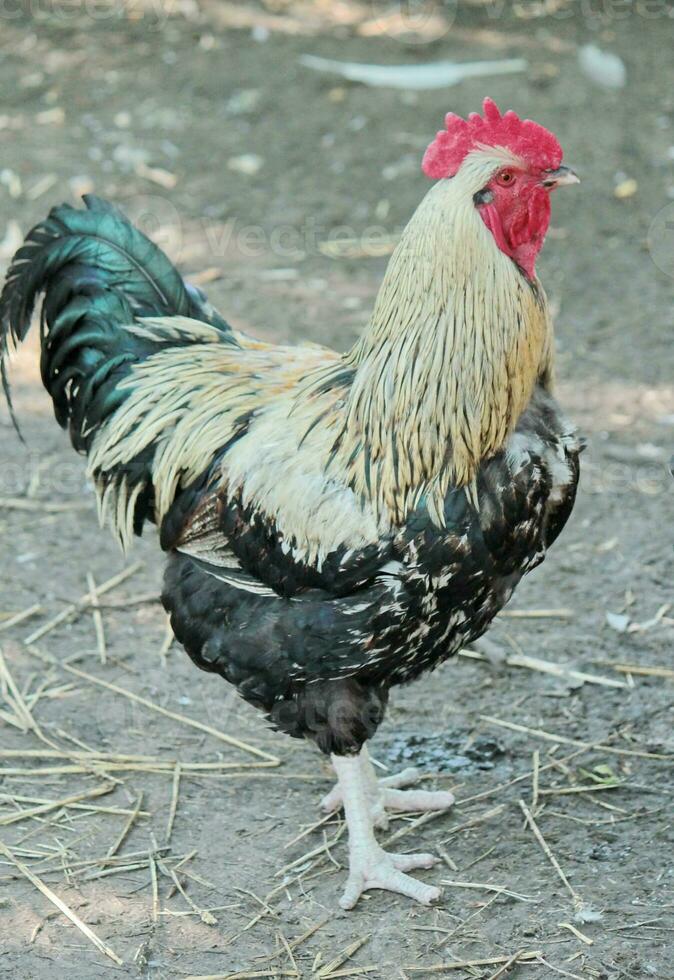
(602, 67)
(248, 164)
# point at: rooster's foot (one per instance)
(387, 794)
(375, 868)
(363, 798)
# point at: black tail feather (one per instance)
(97, 273)
(98, 276)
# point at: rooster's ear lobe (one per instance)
(485, 196)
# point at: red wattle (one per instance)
(492, 219)
(519, 226)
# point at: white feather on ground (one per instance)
(602, 67)
(437, 74)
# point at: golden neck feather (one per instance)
(457, 341)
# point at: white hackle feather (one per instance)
(337, 450)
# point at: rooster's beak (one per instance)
(560, 177)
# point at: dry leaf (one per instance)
(164, 178)
(626, 188)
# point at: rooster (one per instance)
(335, 524)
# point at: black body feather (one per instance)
(425, 595)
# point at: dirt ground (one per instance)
(252, 171)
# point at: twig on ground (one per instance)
(341, 958)
(634, 669)
(301, 939)
(547, 667)
(20, 617)
(174, 802)
(502, 970)
(60, 904)
(155, 886)
(473, 821)
(15, 698)
(206, 917)
(519, 779)
(106, 861)
(98, 619)
(483, 886)
(523, 957)
(308, 830)
(321, 849)
(536, 760)
(577, 933)
(446, 858)
(557, 969)
(77, 607)
(56, 804)
(159, 766)
(116, 811)
(271, 760)
(246, 975)
(12, 720)
(133, 816)
(572, 790)
(414, 825)
(578, 902)
(564, 740)
(288, 951)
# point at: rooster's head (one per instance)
(508, 166)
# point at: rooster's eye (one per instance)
(505, 178)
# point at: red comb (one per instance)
(526, 139)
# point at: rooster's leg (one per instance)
(370, 866)
(386, 794)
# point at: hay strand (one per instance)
(60, 905)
